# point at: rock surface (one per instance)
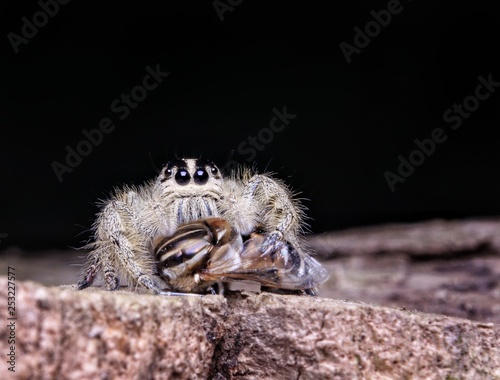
(443, 267)
(428, 238)
(62, 333)
(449, 267)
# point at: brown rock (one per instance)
(428, 238)
(66, 334)
(447, 267)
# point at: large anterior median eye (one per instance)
(200, 176)
(182, 177)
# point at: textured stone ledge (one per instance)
(65, 334)
(429, 238)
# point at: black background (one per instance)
(226, 76)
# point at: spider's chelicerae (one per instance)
(186, 190)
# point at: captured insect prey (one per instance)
(257, 234)
(203, 253)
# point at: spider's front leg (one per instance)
(281, 214)
(120, 247)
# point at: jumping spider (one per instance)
(186, 190)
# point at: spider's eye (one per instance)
(200, 177)
(182, 177)
(168, 173)
(214, 170)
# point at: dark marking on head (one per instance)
(169, 166)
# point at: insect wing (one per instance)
(283, 269)
(312, 276)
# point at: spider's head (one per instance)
(190, 176)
